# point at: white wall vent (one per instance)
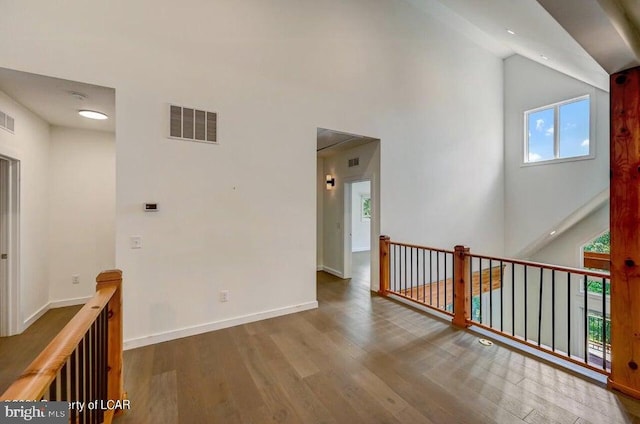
(193, 124)
(7, 122)
(354, 162)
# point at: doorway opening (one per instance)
(348, 206)
(359, 234)
(9, 254)
(66, 203)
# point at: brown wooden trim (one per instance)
(384, 265)
(37, 377)
(624, 226)
(115, 387)
(461, 299)
(545, 266)
(622, 388)
(516, 261)
(597, 260)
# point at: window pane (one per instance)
(540, 135)
(574, 129)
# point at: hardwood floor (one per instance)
(358, 358)
(17, 352)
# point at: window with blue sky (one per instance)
(558, 131)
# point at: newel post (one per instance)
(461, 300)
(115, 386)
(625, 234)
(385, 242)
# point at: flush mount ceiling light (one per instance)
(511, 31)
(544, 57)
(92, 114)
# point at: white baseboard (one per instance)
(34, 317)
(360, 249)
(319, 268)
(217, 325)
(333, 271)
(69, 302)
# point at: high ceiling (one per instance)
(608, 29)
(586, 39)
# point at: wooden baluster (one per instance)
(461, 299)
(384, 265)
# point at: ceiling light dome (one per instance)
(92, 114)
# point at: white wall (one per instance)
(30, 145)
(541, 196)
(81, 210)
(360, 228)
(566, 249)
(241, 215)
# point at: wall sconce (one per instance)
(331, 182)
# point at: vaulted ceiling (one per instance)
(609, 30)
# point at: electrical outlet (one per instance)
(75, 279)
(224, 295)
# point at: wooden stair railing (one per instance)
(597, 260)
(83, 362)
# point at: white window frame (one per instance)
(556, 132)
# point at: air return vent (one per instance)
(7, 122)
(193, 124)
(354, 162)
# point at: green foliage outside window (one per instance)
(366, 207)
(601, 244)
(595, 286)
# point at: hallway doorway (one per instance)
(360, 231)
(348, 205)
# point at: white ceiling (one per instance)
(537, 33)
(586, 39)
(52, 99)
(330, 141)
(608, 29)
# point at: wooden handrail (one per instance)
(558, 268)
(37, 377)
(466, 285)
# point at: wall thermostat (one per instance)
(151, 207)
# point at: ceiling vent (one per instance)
(192, 124)
(7, 122)
(354, 162)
